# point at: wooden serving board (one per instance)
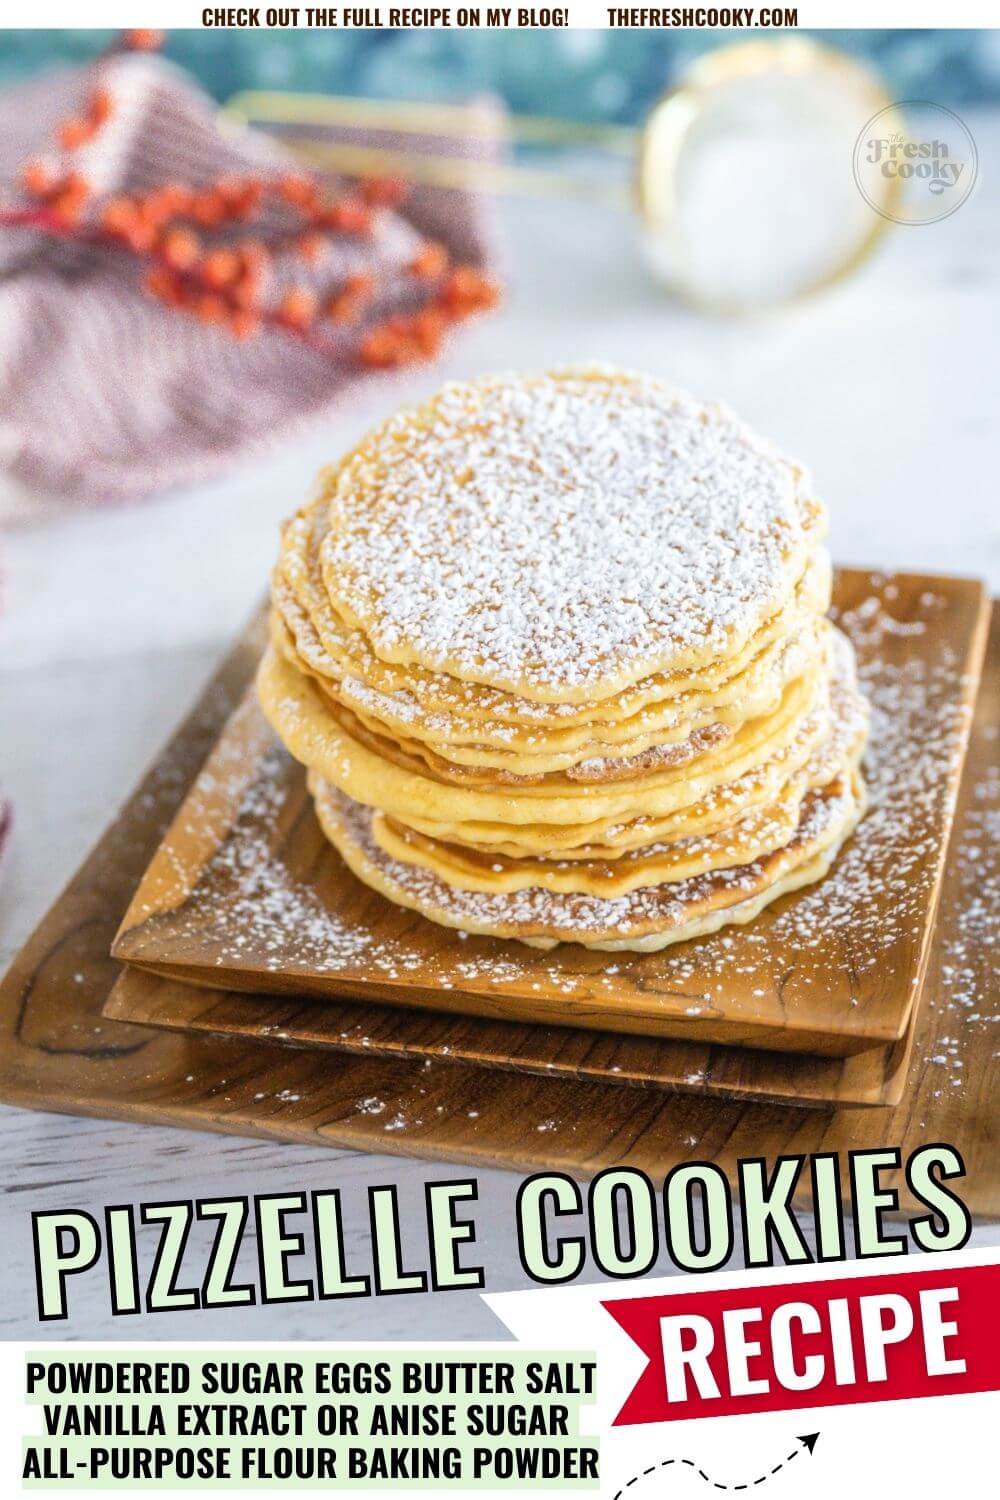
(58, 1051)
(246, 893)
(873, 1077)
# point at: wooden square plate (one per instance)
(59, 1052)
(245, 892)
(873, 1077)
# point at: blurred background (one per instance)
(586, 75)
(882, 383)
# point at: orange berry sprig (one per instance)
(223, 281)
(141, 40)
(79, 129)
(409, 338)
(224, 284)
(353, 297)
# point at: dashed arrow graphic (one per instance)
(808, 1441)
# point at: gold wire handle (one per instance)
(654, 151)
(414, 116)
(436, 169)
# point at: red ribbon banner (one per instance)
(814, 1343)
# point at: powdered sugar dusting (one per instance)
(603, 767)
(560, 532)
(534, 909)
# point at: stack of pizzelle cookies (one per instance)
(555, 652)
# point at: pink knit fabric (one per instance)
(104, 394)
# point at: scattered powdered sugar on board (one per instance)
(966, 1002)
(876, 893)
(249, 901)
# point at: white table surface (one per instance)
(885, 387)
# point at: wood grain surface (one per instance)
(873, 1077)
(245, 893)
(58, 1051)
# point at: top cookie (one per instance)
(564, 535)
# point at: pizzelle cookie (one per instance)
(555, 653)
